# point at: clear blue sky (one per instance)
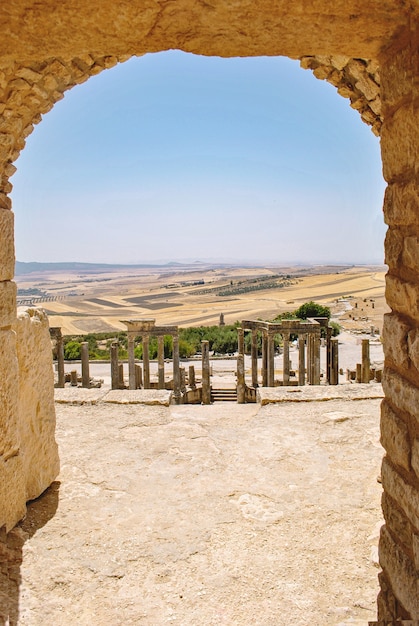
(172, 156)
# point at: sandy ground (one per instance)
(207, 515)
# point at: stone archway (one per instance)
(370, 53)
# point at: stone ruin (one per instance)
(370, 52)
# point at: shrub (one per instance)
(72, 350)
(312, 309)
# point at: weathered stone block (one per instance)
(403, 296)
(12, 492)
(356, 68)
(415, 456)
(36, 401)
(395, 339)
(397, 522)
(413, 347)
(415, 541)
(9, 439)
(7, 249)
(7, 303)
(12, 483)
(395, 437)
(5, 202)
(368, 87)
(397, 77)
(28, 453)
(401, 204)
(410, 256)
(386, 602)
(401, 573)
(404, 494)
(393, 247)
(399, 138)
(402, 393)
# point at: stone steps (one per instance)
(223, 395)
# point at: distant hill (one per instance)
(29, 268)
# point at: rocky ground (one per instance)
(207, 515)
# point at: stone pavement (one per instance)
(265, 395)
(215, 515)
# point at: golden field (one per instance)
(97, 301)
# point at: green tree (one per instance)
(186, 349)
(72, 350)
(226, 341)
(335, 329)
(312, 309)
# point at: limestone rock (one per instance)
(36, 401)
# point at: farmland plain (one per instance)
(96, 300)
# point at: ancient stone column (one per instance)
(114, 366)
(121, 381)
(160, 340)
(73, 378)
(206, 385)
(176, 373)
(334, 365)
(301, 360)
(264, 358)
(286, 366)
(358, 373)
(365, 363)
(182, 374)
(60, 358)
(85, 373)
(146, 361)
(254, 355)
(191, 377)
(241, 385)
(316, 359)
(271, 360)
(310, 358)
(131, 362)
(328, 354)
(138, 376)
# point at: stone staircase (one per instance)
(224, 395)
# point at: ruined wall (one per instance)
(369, 52)
(29, 453)
(356, 79)
(36, 423)
(399, 543)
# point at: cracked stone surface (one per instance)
(206, 515)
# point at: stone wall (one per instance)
(369, 52)
(399, 543)
(29, 452)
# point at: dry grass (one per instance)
(100, 301)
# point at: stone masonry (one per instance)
(369, 52)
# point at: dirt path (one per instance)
(217, 515)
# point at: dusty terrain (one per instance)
(96, 302)
(226, 514)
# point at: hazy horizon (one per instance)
(188, 262)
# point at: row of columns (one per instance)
(308, 351)
(55, 333)
(137, 376)
(145, 329)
